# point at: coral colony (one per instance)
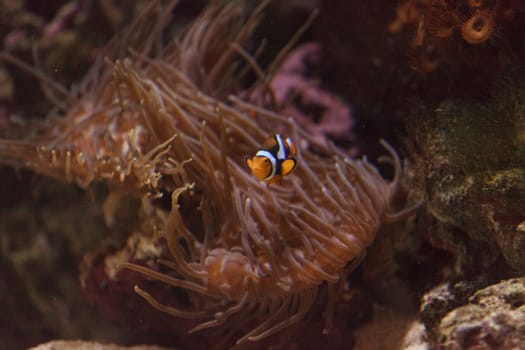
(444, 28)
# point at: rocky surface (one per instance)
(493, 318)
(84, 345)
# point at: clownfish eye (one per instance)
(266, 160)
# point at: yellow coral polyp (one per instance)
(478, 28)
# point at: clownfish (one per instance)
(273, 160)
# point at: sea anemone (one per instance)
(157, 123)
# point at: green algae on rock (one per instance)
(473, 158)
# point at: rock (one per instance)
(85, 345)
(493, 318)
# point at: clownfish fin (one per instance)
(288, 166)
(276, 180)
(269, 142)
(249, 162)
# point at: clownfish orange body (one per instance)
(274, 160)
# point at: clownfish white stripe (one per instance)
(289, 142)
(271, 158)
(281, 151)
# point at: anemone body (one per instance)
(157, 121)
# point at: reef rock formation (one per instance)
(473, 160)
(490, 318)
